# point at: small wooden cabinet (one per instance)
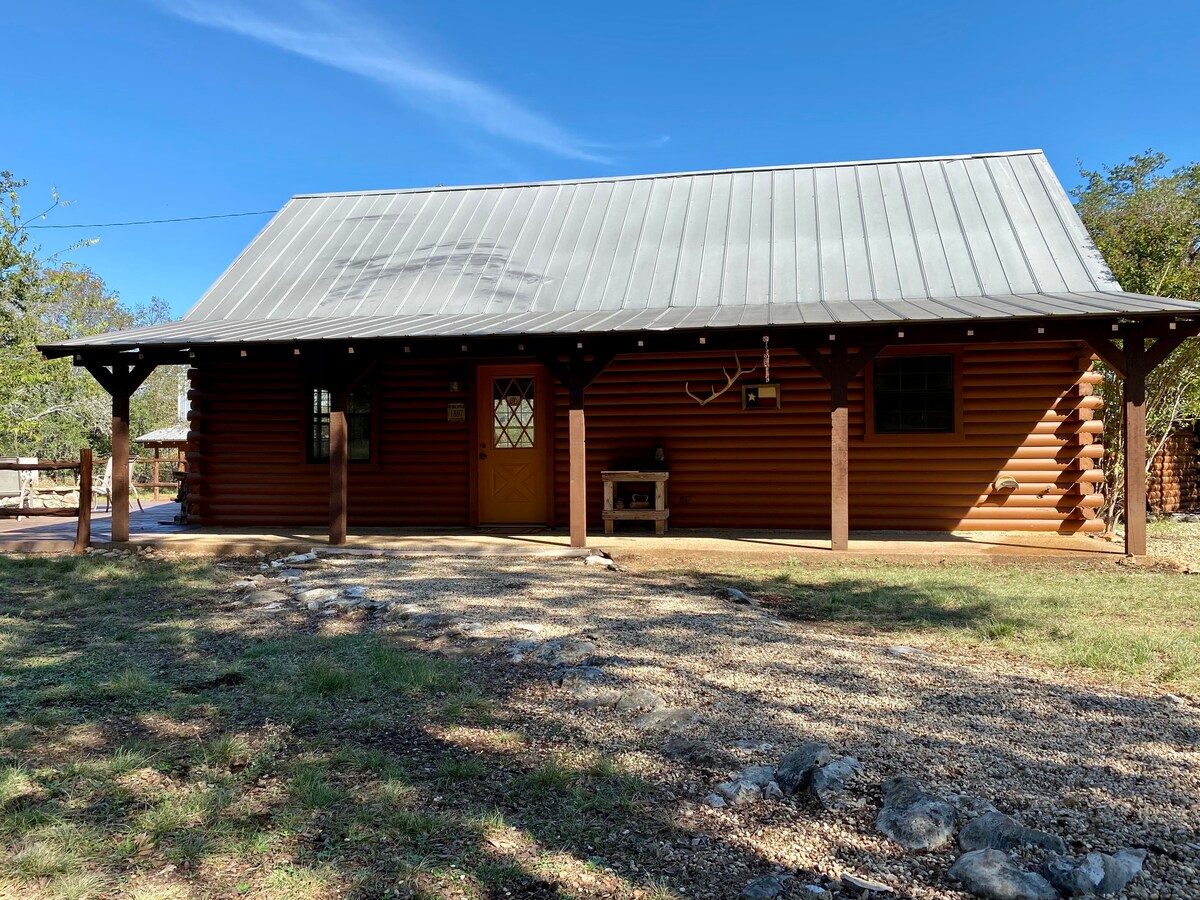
(658, 513)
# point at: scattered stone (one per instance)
(796, 769)
(969, 807)
(407, 610)
(913, 818)
(766, 888)
(298, 558)
(565, 652)
(716, 801)
(814, 890)
(990, 874)
(530, 627)
(355, 592)
(830, 783)
(771, 791)
(673, 719)
(467, 629)
(271, 607)
(901, 650)
(313, 605)
(756, 775)
(603, 700)
(291, 573)
(996, 831)
(1096, 873)
(740, 793)
(577, 675)
(865, 884)
(602, 561)
(637, 700)
(262, 598)
(319, 594)
(733, 595)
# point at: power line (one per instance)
(261, 212)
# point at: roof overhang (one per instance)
(948, 314)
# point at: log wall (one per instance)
(1028, 412)
(1175, 474)
(246, 450)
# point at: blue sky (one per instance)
(146, 109)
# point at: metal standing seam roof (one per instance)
(946, 238)
(171, 433)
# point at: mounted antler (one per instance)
(729, 380)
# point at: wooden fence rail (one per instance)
(83, 512)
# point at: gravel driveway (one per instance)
(1103, 768)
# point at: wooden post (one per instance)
(1134, 423)
(839, 450)
(120, 466)
(83, 525)
(338, 456)
(156, 478)
(578, 454)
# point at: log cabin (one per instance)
(891, 344)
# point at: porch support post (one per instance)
(339, 398)
(839, 450)
(578, 454)
(576, 375)
(120, 467)
(120, 380)
(839, 367)
(1134, 424)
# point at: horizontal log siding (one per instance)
(1175, 474)
(1028, 412)
(247, 450)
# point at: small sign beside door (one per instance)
(456, 412)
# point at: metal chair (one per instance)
(105, 488)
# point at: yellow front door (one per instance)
(512, 444)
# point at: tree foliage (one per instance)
(48, 408)
(1145, 220)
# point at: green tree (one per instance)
(48, 408)
(1145, 220)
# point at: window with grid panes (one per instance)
(914, 394)
(358, 424)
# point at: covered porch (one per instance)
(152, 528)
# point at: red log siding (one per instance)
(1175, 474)
(247, 450)
(1027, 412)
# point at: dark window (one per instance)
(358, 424)
(914, 394)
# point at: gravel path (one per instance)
(1103, 768)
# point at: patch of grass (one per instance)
(224, 751)
(461, 768)
(1127, 624)
(551, 777)
(290, 882)
(129, 684)
(325, 679)
(311, 789)
(15, 783)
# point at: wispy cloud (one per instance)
(341, 38)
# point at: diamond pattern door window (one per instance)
(513, 414)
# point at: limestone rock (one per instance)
(716, 801)
(733, 595)
(766, 888)
(565, 652)
(355, 592)
(758, 775)
(969, 807)
(263, 598)
(601, 561)
(830, 783)
(1096, 873)
(796, 769)
(866, 884)
(996, 831)
(703, 754)
(740, 793)
(320, 594)
(991, 874)
(914, 819)
(637, 700)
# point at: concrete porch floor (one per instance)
(152, 527)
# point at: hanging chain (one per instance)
(767, 359)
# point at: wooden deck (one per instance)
(152, 527)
